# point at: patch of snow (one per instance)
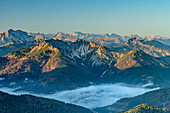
(104, 72)
(12, 83)
(74, 53)
(110, 64)
(93, 63)
(91, 82)
(2, 78)
(26, 79)
(83, 65)
(148, 84)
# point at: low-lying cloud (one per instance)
(94, 95)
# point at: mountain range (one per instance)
(12, 40)
(92, 37)
(153, 47)
(46, 63)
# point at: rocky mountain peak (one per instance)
(7, 33)
(13, 37)
(133, 40)
(93, 44)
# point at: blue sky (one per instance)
(124, 17)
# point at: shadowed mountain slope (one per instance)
(32, 104)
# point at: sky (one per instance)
(124, 17)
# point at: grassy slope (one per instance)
(145, 108)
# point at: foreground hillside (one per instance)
(158, 98)
(145, 108)
(32, 104)
(57, 65)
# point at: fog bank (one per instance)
(92, 96)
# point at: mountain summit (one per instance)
(11, 37)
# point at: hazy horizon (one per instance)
(83, 32)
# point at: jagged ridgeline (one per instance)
(156, 46)
(153, 47)
(57, 65)
(12, 40)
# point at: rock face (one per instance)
(12, 40)
(32, 104)
(158, 98)
(57, 65)
(11, 37)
